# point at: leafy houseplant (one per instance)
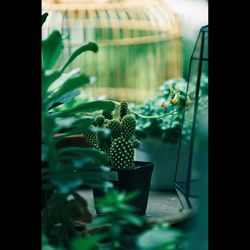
(65, 169)
(126, 173)
(167, 128)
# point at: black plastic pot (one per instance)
(131, 180)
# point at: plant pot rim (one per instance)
(69, 136)
(146, 164)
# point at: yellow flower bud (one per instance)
(175, 100)
(171, 89)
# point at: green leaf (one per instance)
(99, 184)
(84, 122)
(126, 207)
(98, 221)
(78, 124)
(88, 107)
(57, 83)
(48, 78)
(134, 220)
(154, 238)
(44, 17)
(84, 152)
(67, 183)
(69, 85)
(81, 163)
(45, 152)
(51, 49)
(131, 196)
(86, 243)
(86, 47)
(48, 186)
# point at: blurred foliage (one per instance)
(47, 246)
(162, 237)
(169, 128)
(120, 217)
(55, 85)
(87, 243)
(64, 170)
(81, 97)
(125, 230)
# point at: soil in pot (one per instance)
(131, 180)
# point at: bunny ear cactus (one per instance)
(120, 146)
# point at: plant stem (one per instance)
(154, 116)
(145, 116)
(115, 102)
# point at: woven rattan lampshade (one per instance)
(139, 43)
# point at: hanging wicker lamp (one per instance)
(139, 43)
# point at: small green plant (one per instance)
(125, 230)
(119, 218)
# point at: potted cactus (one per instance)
(126, 174)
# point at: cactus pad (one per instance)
(128, 125)
(100, 120)
(123, 108)
(91, 138)
(122, 154)
(115, 127)
(107, 114)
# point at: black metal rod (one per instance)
(190, 160)
(202, 59)
(183, 198)
(183, 114)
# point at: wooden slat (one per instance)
(143, 44)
